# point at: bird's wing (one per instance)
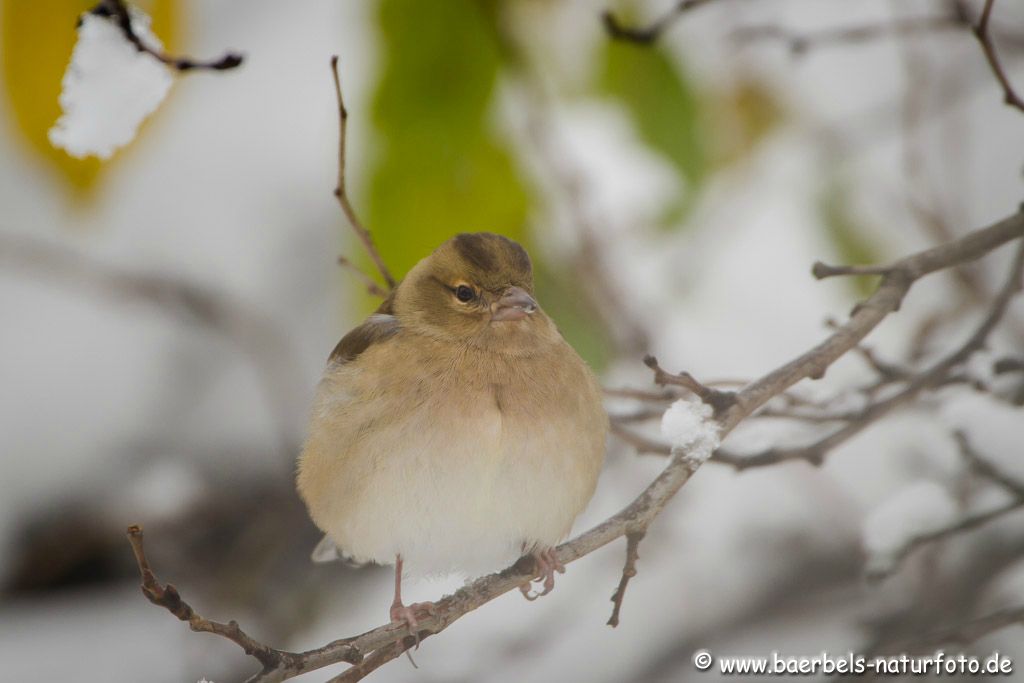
(325, 551)
(328, 551)
(376, 328)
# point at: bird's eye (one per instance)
(464, 294)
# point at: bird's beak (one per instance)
(515, 304)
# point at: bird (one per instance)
(455, 430)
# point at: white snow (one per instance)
(108, 89)
(915, 510)
(994, 429)
(689, 426)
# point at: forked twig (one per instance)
(984, 35)
(341, 190)
(717, 399)
(167, 596)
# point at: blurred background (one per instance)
(167, 313)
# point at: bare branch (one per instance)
(973, 630)
(868, 314)
(984, 36)
(651, 32)
(934, 376)
(801, 43)
(985, 468)
(965, 523)
(628, 572)
(1007, 365)
(718, 400)
(380, 643)
(167, 596)
(823, 270)
(641, 394)
(118, 11)
(372, 287)
(370, 664)
(341, 190)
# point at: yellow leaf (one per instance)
(35, 47)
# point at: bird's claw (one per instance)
(406, 615)
(547, 564)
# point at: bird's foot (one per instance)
(547, 564)
(409, 616)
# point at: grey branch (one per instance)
(376, 647)
(341, 192)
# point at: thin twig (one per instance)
(641, 394)
(651, 32)
(370, 664)
(973, 630)
(633, 539)
(934, 376)
(118, 11)
(717, 399)
(823, 270)
(984, 36)
(985, 468)
(889, 372)
(372, 287)
(962, 524)
(341, 190)
(1007, 365)
(801, 43)
(167, 596)
(641, 415)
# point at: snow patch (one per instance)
(916, 510)
(108, 88)
(689, 426)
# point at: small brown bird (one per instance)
(455, 429)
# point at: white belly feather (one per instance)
(452, 485)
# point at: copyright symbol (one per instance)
(702, 659)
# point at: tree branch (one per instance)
(718, 400)
(975, 629)
(900, 277)
(118, 11)
(960, 525)
(651, 32)
(985, 468)
(167, 596)
(801, 43)
(628, 572)
(341, 190)
(984, 36)
(380, 643)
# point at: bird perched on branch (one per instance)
(455, 430)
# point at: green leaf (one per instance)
(665, 107)
(442, 168)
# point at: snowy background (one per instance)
(166, 322)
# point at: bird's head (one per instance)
(476, 289)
